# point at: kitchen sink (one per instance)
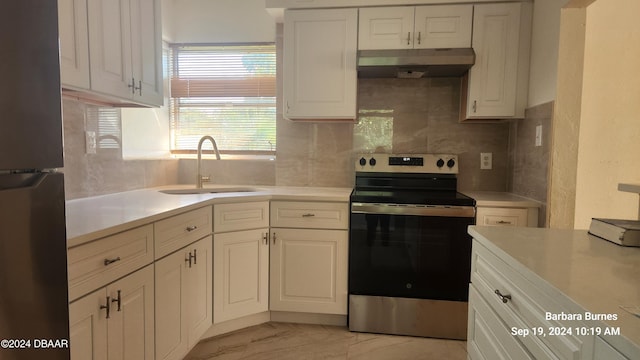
(186, 191)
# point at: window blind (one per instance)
(226, 91)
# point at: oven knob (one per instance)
(451, 163)
(363, 161)
(440, 163)
(372, 162)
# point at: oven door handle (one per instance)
(417, 210)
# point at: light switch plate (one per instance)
(486, 161)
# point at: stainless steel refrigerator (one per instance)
(33, 263)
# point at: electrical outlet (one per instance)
(486, 161)
(90, 142)
(539, 135)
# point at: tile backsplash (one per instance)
(421, 116)
(105, 171)
(395, 115)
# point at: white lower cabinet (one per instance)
(183, 299)
(115, 322)
(240, 274)
(308, 270)
(501, 299)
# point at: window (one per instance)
(226, 91)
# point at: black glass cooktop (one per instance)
(412, 197)
(419, 189)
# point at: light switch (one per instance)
(539, 135)
(486, 161)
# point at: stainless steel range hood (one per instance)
(415, 63)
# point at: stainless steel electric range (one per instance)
(409, 251)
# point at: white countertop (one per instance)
(99, 216)
(596, 275)
(500, 199)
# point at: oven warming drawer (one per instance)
(417, 210)
(403, 316)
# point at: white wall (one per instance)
(609, 146)
(221, 21)
(544, 51)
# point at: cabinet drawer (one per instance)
(100, 262)
(310, 215)
(243, 216)
(488, 337)
(181, 230)
(526, 308)
(501, 216)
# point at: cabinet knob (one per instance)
(419, 37)
(409, 38)
(191, 228)
(504, 298)
(475, 105)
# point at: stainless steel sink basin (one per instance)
(208, 190)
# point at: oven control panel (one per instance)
(408, 163)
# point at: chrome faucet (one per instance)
(199, 178)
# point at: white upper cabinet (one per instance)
(497, 83)
(446, 26)
(146, 51)
(420, 27)
(74, 43)
(320, 77)
(111, 50)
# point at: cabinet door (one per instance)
(131, 325)
(386, 28)
(146, 51)
(240, 274)
(74, 43)
(88, 327)
(493, 79)
(110, 47)
(309, 271)
(199, 290)
(443, 26)
(320, 77)
(171, 332)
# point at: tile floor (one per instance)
(301, 341)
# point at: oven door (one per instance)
(410, 251)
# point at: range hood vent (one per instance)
(415, 63)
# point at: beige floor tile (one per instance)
(284, 341)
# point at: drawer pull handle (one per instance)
(504, 298)
(504, 222)
(191, 228)
(111, 261)
(308, 215)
